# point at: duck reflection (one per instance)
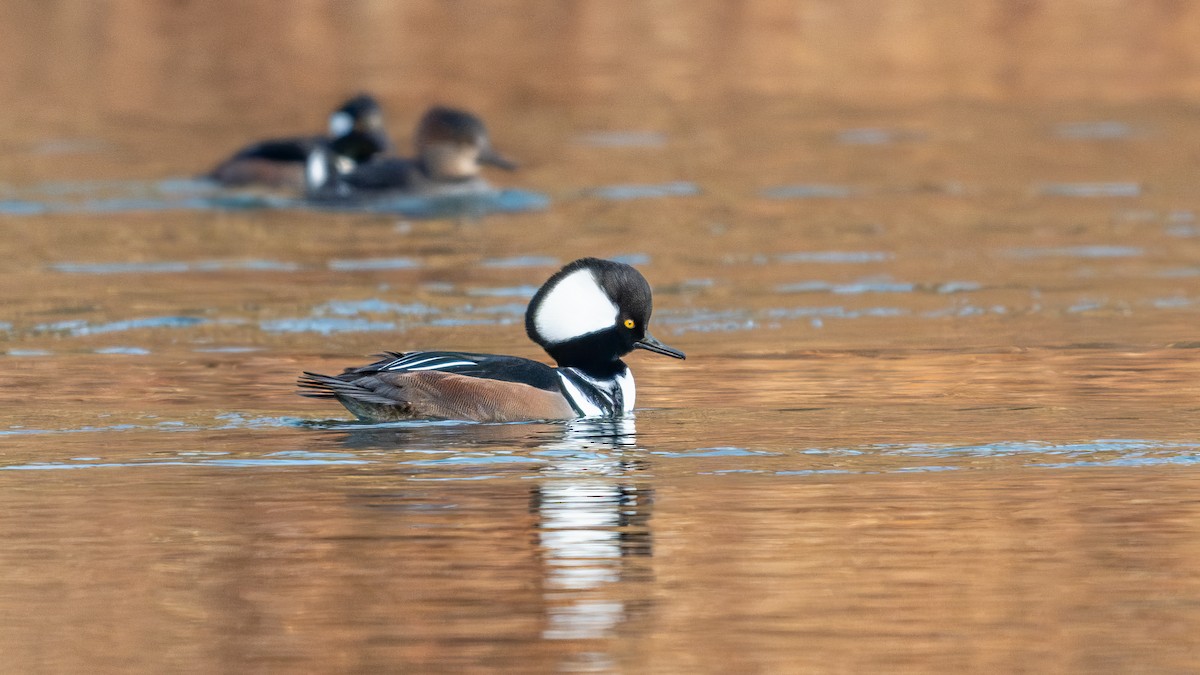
(588, 510)
(592, 528)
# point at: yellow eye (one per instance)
(629, 323)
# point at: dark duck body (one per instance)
(356, 134)
(451, 145)
(586, 316)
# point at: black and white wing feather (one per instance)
(446, 385)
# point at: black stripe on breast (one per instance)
(609, 400)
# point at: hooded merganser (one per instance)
(586, 316)
(356, 134)
(451, 146)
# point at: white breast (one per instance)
(597, 398)
(628, 390)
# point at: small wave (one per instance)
(637, 191)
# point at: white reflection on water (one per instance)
(588, 527)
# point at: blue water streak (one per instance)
(522, 261)
(78, 327)
(373, 306)
(1085, 251)
(371, 264)
(439, 206)
(132, 351)
(636, 191)
(324, 325)
(1090, 190)
(856, 288)
(183, 194)
(1092, 131)
(174, 267)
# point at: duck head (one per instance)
(591, 313)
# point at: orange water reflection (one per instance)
(934, 265)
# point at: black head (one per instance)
(591, 313)
(361, 113)
(356, 135)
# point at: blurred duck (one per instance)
(451, 146)
(356, 134)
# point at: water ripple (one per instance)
(1102, 130)
(637, 191)
(183, 194)
(834, 257)
(878, 136)
(1090, 190)
(504, 292)
(624, 139)
(856, 288)
(78, 327)
(132, 351)
(1087, 251)
(522, 261)
(174, 267)
(373, 306)
(371, 264)
(324, 325)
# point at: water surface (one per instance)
(939, 296)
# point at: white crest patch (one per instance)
(574, 307)
(340, 124)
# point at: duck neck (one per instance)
(597, 355)
(598, 370)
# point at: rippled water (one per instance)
(939, 298)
